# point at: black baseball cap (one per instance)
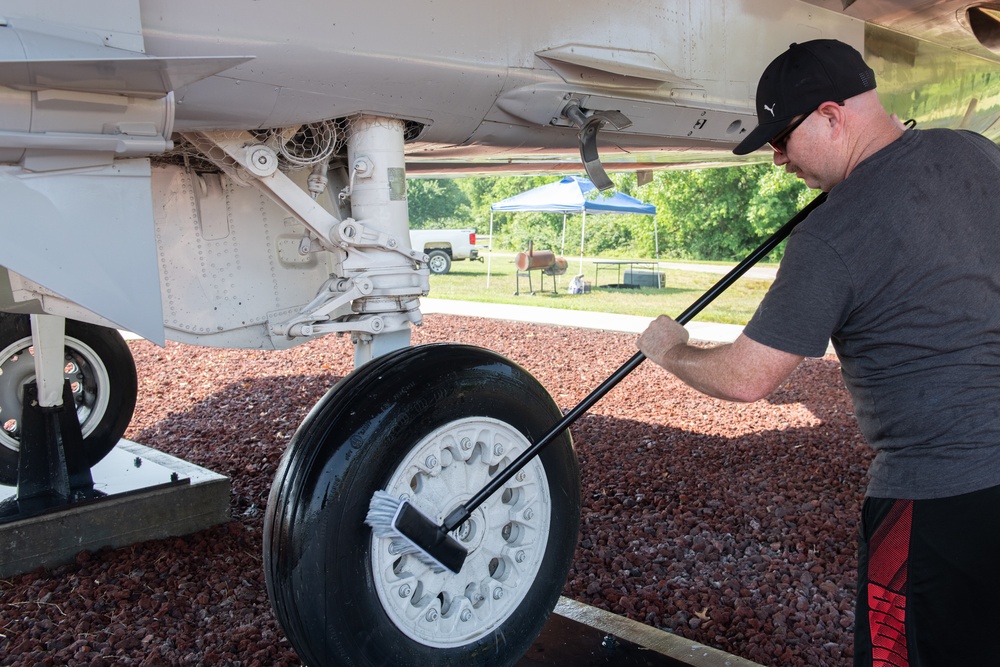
(801, 79)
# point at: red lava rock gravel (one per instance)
(733, 525)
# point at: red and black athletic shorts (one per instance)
(929, 582)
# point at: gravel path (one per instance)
(733, 525)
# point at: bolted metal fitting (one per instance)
(260, 160)
(363, 167)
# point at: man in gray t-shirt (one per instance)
(900, 269)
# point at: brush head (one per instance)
(414, 533)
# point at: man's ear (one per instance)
(831, 109)
(833, 114)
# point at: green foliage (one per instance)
(722, 214)
(511, 231)
(707, 214)
(778, 197)
(437, 203)
(542, 229)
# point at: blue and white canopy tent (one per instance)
(573, 194)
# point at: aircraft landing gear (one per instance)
(433, 423)
(102, 377)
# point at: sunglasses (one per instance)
(780, 140)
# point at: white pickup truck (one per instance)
(445, 246)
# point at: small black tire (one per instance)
(337, 595)
(100, 364)
(439, 262)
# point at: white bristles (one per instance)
(382, 511)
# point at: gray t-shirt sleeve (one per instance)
(808, 302)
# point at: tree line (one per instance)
(706, 214)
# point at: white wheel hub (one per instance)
(83, 367)
(506, 536)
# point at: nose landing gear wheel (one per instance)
(431, 423)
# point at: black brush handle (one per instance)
(461, 513)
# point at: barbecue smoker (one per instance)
(543, 261)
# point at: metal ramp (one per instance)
(578, 635)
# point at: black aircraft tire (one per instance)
(340, 595)
(98, 360)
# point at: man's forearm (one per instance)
(709, 370)
(743, 371)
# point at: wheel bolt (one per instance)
(497, 593)
(498, 449)
(466, 444)
(466, 615)
(431, 615)
(431, 461)
(519, 556)
(520, 476)
(404, 591)
(528, 514)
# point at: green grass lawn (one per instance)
(467, 282)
